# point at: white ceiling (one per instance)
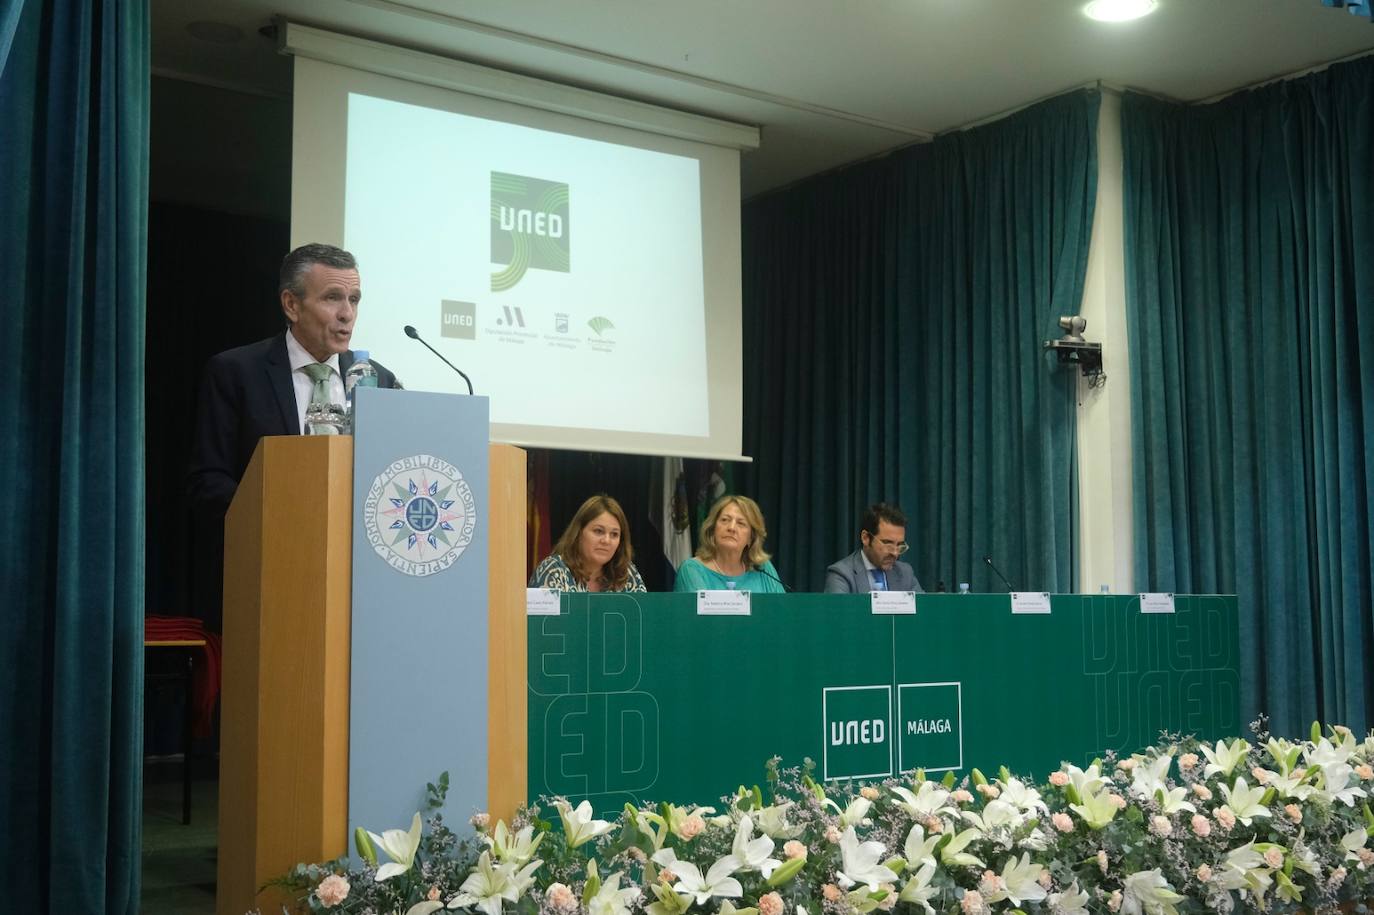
(828, 81)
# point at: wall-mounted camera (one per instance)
(1072, 349)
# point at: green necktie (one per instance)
(319, 373)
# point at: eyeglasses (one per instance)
(900, 546)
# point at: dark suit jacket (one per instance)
(246, 393)
(850, 575)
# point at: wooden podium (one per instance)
(284, 738)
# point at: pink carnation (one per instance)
(869, 793)
(1202, 827)
(1187, 761)
(832, 834)
(794, 849)
(1274, 858)
(1204, 873)
(1294, 812)
(691, 827)
(1062, 822)
(1117, 801)
(332, 890)
(1102, 860)
(972, 903)
(1127, 764)
(1225, 818)
(960, 796)
(831, 892)
(770, 904)
(1366, 857)
(1202, 792)
(1114, 901)
(1161, 826)
(1365, 771)
(1261, 775)
(934, 824)
(1059, 779)
(560, 897)
(989, 791)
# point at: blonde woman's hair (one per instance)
(754, 555)
(569, 545)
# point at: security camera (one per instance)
(1073, 349)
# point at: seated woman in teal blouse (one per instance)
(731, 555)
(593, 554)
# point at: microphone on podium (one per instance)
(988, 560)
(413, 334)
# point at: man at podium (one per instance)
(264, 388)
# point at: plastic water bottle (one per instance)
(963, 587)
(360, 372)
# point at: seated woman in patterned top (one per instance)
(593, 554)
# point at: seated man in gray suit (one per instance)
(874, 566)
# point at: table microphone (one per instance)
(413, 334)
(988, 560)
(774, 577)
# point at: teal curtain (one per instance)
(73, 223)
(1249, 231)
(893, 320)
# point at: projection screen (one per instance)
(576, 254)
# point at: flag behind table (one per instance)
(668, 510)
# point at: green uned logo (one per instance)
(530, 228)
(858, 732)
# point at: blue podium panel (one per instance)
(419, 665)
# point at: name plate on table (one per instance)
(1030, 602)
(893, 602)
(1156, 603)
(542, 602)
(722, 603)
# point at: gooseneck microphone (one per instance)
(413, 334)
(774, 577)
(988, 560)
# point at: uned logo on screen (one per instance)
(530, 228)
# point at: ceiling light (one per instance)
(1119, 10)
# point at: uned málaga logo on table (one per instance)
(419, 514)
(529, 228)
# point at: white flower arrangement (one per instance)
(1278, 826)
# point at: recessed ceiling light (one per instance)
(1119, 10)
(215, 32)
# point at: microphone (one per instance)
(774, 577)
(413, 334)
(988, 560)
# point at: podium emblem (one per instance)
(419, 514)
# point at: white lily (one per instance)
(400, 846)
(859, 863)
(953, 854)
(1334, 785)
(1150, 775)
(1243, 870)
(1326, 752)
(753, 854)
(489, 885)
(717, 881)
(919, 850)
(854, 813)
(611, 899)
(929, 800)
(996, 814)
(1072, 901)
(1353, 841)
(1020, 882)
(669, 902)
(1225, 757)
(918, 889)
(1245, 802)
(1283, 753)
(425, 907)
(1086, 781)
(1097, 809)
(1148, 891)
(1021, 796)
(772, 821)
(1294, 783)
(578, 825)
(728, 908)
(517, 848)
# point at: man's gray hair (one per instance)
(297, 264)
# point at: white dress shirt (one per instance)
(305, 388)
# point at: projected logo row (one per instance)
(510, 323)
